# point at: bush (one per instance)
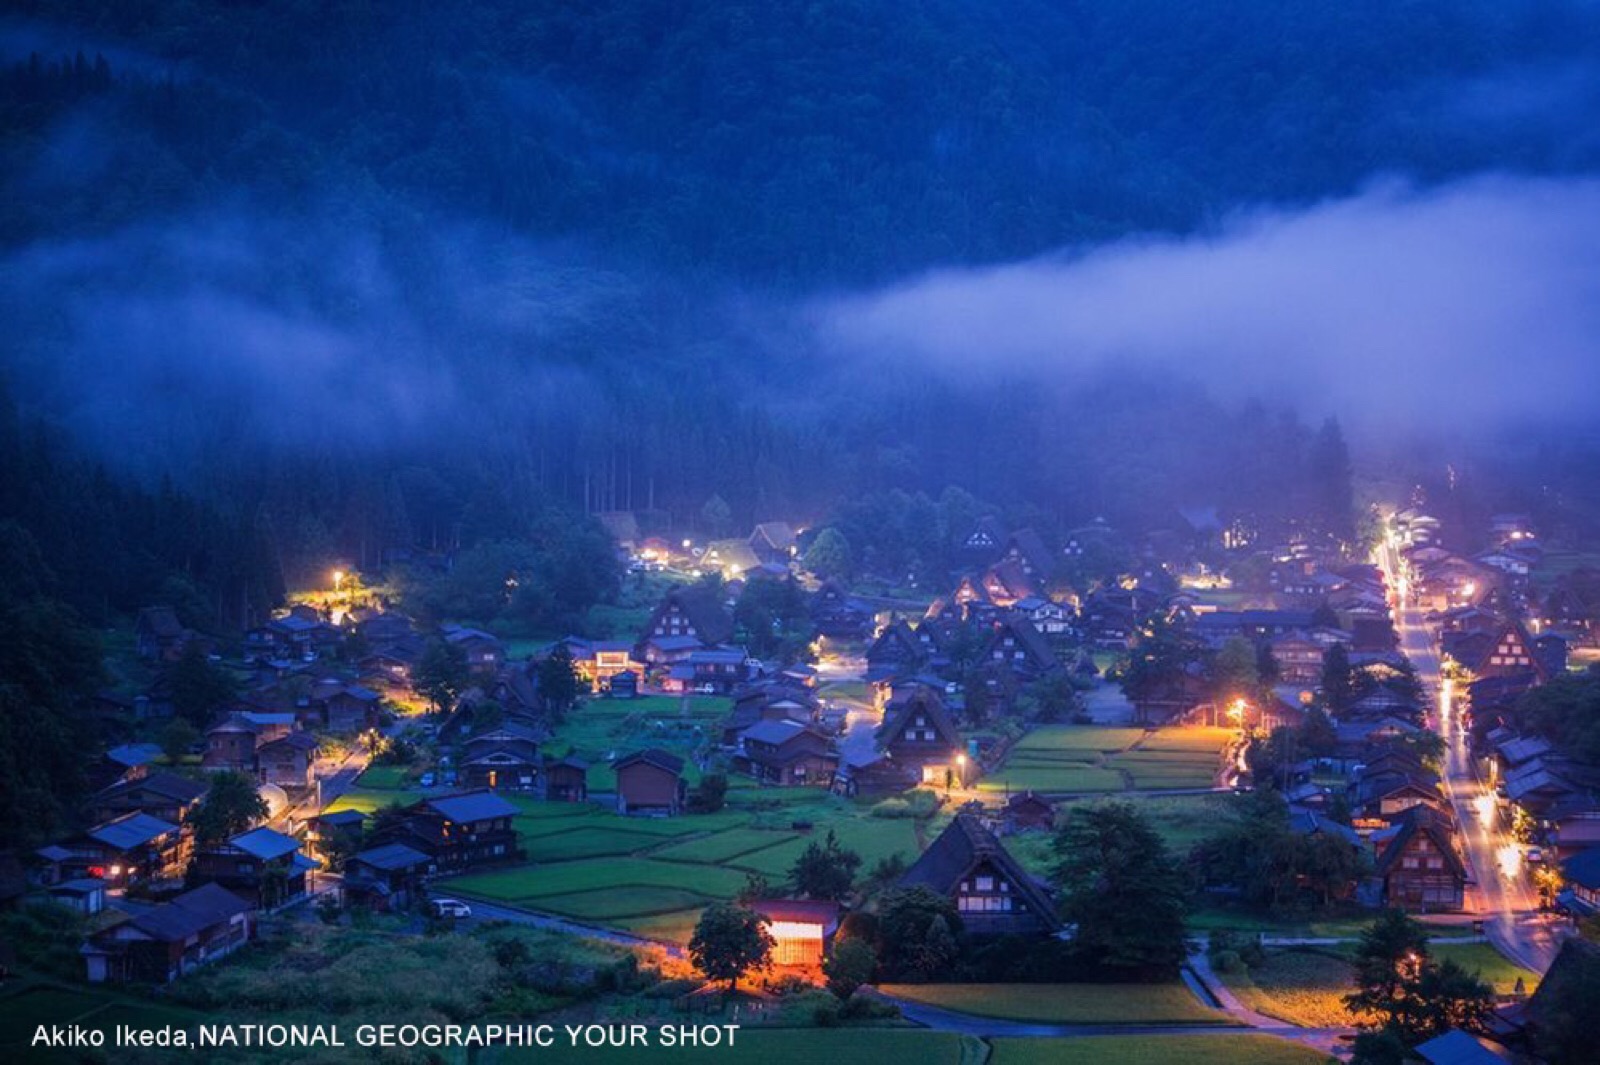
(1227, 961)
(918, 804)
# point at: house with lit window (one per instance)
(786, 752)
(504, 758)
(262, 866)
(1503, 652)
(694, 616)
(1418, 864)
(160, 944)
(802, 930)
(991, 890)
(134, 849)
(919, 737)
(458, 832)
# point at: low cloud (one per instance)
(1474, 306)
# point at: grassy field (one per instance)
(1492, 967)
(1299, 986)
(384, 777)
(1067, 1003)
(602, 729)
(794, 1046)
(654, 875)
(1221, 1049)
(1067, 759)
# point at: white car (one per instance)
(450, 908)
(1534, 854)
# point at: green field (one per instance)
(1220, 1049)
(1492, 967)
(654, 875)
(1068, 759)
(384, 777)
(601, 729)
(1067, 1003)
(792, 1046)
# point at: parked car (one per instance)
(427, 780)
(1534, 855)
(450, 908)
(448, 778)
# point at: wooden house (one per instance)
(484, 651)
(458, 832)
(788, 753)
(504, 758)
(262, 866)
(162, 943)
(288, 762)
(767, 701)
(695, 613)
(1507, 651)
(991, 890)
(650, 782)
(1026, 811)
(134, 849)
(774, 542)
(160, 794)
(802, 930)
(1022, 649)
(158, 634)
(918, 735)
(385, 878)
(566, 779)
(1418, 864)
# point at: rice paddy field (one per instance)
(1079, 760)
(653, 876)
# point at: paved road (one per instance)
(1501, 892)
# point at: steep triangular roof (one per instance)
(963, 846)
(901, 710)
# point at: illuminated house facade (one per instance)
(802, 930)
(991, 890)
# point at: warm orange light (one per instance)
(795, 930)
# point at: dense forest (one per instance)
(360, 277)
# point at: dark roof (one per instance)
(162, 621)
(921, 698)
(779, 534)
(653, 756)
(130, 830)
(775, 731)
(134, 754)
(189, 913)
(471, 806)
(1424, 820)
(340, 818)
(1031, 547)
(1456, 1047)
(265, 843)
(391, 857)
(300, 740)
(702, 605)
(961, 847)
(1583, 868)
(800, 911)
(166, 785)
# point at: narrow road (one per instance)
(1501, 891)
(482, 910)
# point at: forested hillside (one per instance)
(361, 274)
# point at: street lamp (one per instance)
(338, 579)
(961, 769)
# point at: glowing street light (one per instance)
(338, 579)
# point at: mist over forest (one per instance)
(358, 276)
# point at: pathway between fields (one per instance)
(495, 911)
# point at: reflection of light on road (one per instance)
(1446, 690)
(1484, 804)
(1509, 858)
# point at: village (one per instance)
(800, 800)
